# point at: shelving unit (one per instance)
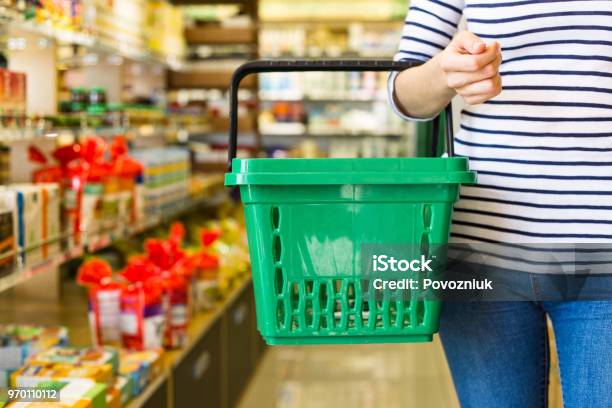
(97, 240)
(17, 23)
(222, 351)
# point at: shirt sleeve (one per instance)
(429, 27)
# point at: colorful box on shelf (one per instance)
(12, 92)
(33, 210)
(140, 367)
(120, 391)
(8, 230)
(31, 375)
(78, 356)
(166, 177)
(19, 342)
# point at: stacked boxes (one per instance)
(165, 30)
(31, 222)
(166, 178)
(8, 231)
(61, 363)
(12, 93)
(79, 356)
(137, 25)
(86, 377)
(140, 367)
(20, 342)
(51, 223)
(31, 375)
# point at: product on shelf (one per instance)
(361, 39)
(78, 356)
(8, 230)
(29, 221)
(100, 185)
(165, 29)
(51, 223)
(104, 301)
(174, 271)
(140, 367)
(121, 389)
(136, 27)
(31, 375)
(20, 342)
(12, 93)
(37, 219)
(149, 305)
(335, 105)
(125, 186)
(143, 310)
(166, 177)
(334, 10)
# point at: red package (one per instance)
(143, 315)
(104, 301)
(177, 291)
(125, 173)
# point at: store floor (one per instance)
(391, 376)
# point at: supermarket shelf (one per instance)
(89, 41)
(9, 136)
(300, 130)
(142, 399)
(92, 242)
(71, 312)
(296, 96)
(205, 79)
(199, 327)
(201, 323)
(211, 34)
(50, 32)
(328, 21)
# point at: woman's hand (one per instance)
(471, 67)
(467, 66)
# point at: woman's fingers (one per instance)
(471, 67)
(453, 60)
(481, 91)
(460, 79)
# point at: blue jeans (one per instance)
(498, 352)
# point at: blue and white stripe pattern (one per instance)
(543, 147)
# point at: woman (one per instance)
(538, 129)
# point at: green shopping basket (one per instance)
(308, 219)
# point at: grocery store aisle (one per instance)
(392, 376)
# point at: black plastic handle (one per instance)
(262, 66)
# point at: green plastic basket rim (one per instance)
(453, 170)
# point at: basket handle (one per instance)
(262, 66)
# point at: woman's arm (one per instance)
(467, 66)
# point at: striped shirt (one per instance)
(543, 147)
